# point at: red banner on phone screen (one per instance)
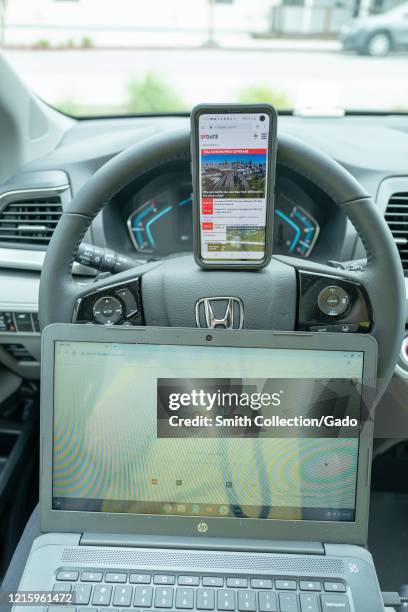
(207, 206)
(233, 151)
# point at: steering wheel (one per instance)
(286, 295)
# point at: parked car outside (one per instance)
(377, 35)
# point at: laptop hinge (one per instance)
(223, 544)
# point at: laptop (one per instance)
(187, 470)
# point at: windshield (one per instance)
(92, 57)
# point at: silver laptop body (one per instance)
(187, 470)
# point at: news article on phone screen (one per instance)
(235, 199)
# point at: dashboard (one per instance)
(152, 217)
(155, 219)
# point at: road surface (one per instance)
(304, 78)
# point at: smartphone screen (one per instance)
(233, 178)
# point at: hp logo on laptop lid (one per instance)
(221, 312)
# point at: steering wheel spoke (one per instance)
(112, 300)
(330, 300)
(115, 304)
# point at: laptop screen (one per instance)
(206, 431)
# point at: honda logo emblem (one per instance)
(221, 312)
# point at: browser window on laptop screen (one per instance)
(206, 431)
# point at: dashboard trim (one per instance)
(80, 154)
(388, 187)
(13, 192)
(27, 259)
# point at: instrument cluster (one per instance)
(159, 219)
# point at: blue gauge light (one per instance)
(155, 218)
(309, 231)
(292, 224)
(298, 231)
(186, 201)
(141, 222)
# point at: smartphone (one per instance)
(233, 152)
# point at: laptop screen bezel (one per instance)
(354, 532)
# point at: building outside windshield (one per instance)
(88, 57)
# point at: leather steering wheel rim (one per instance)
(383, 277)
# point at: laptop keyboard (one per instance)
(111, 591)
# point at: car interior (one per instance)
(97, 233)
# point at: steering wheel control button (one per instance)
(333, 301)
(129, 300)
(107, 310)
(119, 303)
(321, 328)
(327, 300)
(346, 328)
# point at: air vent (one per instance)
(396, 216)
(31, 220)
